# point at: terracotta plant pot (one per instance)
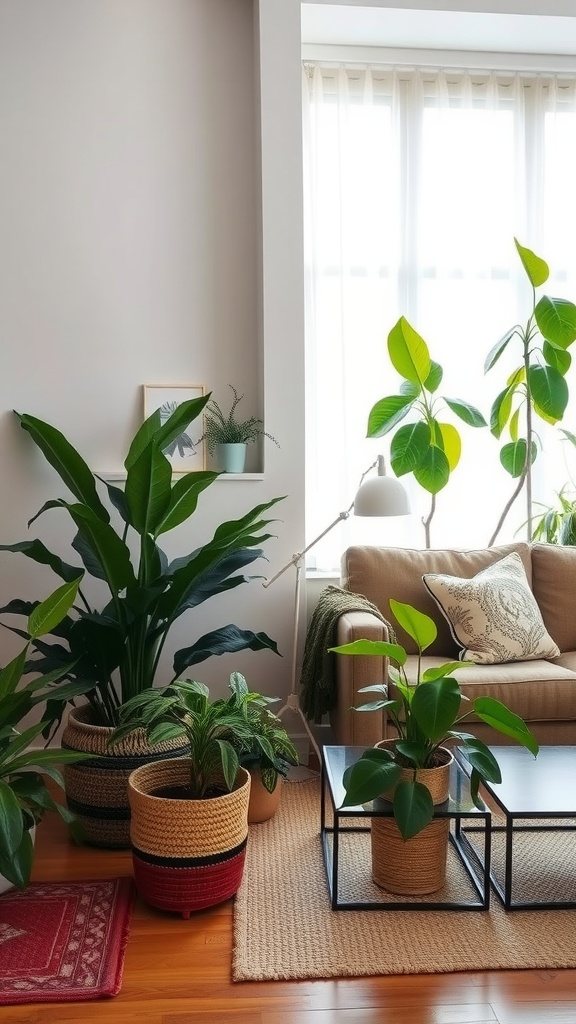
(97, 790)
(187, 854)
(263, 804)
(417, 866)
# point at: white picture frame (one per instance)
(187, 452)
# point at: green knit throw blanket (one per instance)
(318, 677)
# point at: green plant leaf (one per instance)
(558, 358)
(513, 457)
(368, 778)
(435, 706)
(109, 548)
(433, 472)
(148, 485)
(69, 465)
(419, 626)
(497, 715)
(549, 391)
(408, 352)
(413, 808)
(409, 447)
(11, 826)
(500, 411)
(514, 425)
(40, 554)
(497, 350)
(11, 674)
(410, 389)
(481, 758)
(183, 500)
(451, 444)
(50, 612)
(434, 378)
(440, 671)
(556, 319)
(467, 413)
(379, 648)
(537, 269)
(226, 640)
(386, 413)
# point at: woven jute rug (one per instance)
(284, 927)
(64, 941)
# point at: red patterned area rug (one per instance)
(61, 942)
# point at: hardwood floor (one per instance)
(178, 972)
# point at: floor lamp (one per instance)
(381, 495)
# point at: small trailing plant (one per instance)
(24, 796)
(225, 428)
(537, 387)
(426, 714)
(218, 731)
(428, 447)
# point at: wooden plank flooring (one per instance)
(178, 972)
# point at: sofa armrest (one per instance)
(357, 728)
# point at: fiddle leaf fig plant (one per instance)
(426, 714)
(116, 646)
(429, 447)
(537, 386)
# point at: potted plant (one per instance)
(426, 714)
(268, 753)
(226, 436)
(116, 649)
(189, 815)
(24, 796)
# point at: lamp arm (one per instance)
(300, 554)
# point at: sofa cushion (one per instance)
(493, 616)
(554, 587)
(382, 573)
(538, 691)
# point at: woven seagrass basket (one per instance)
(187, 854)
(97, 789)
(417, 866)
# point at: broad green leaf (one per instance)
(549, 391)
(379, 648)
(108, 546)
(556, 319)
(143, 437)
(183, 500)
(69, 465)
(514, 425)
(181, 418)
(559, 358)
(230, 762)
(12, 673)
(52, 610)
(496, 714)
(367, 779)
(537, 269)
(409, 447)
(413, 808)
(419, 626)
(148, 486)
(435, 707)
(497, 350)
(408, 352)
(481, 758)
(386, 413)
(439, 671)
(544, 415)
(513, 456)
(516, 377)
(11, 828)
(433, 472)
(410, 388)
(467, 413)
(226, 640)
(500, 412)
(17, 867)
(36, 550)
(451, 444)
(434, 378)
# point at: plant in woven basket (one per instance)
(217, 731)
(225, 428)
(116, 648)
(426, 715)
(24, 796)
(269, 748)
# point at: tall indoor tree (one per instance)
(537, 386)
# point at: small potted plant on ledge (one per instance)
(226, 436)
(412, 771)
(189, 815)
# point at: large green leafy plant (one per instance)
(426, 714)
(116, 648)
(24, 795)
(217, 731)
(537, 386)
(428, 447)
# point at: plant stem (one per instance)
(426, 521)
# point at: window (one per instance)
(416, 183)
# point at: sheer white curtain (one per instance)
(416, 183)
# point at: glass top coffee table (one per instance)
(345, 834)
(534, 850)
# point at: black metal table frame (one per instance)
(470, 860)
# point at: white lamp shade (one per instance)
(381, 496)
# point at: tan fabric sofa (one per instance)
(542, 692)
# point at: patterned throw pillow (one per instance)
(494, 616)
